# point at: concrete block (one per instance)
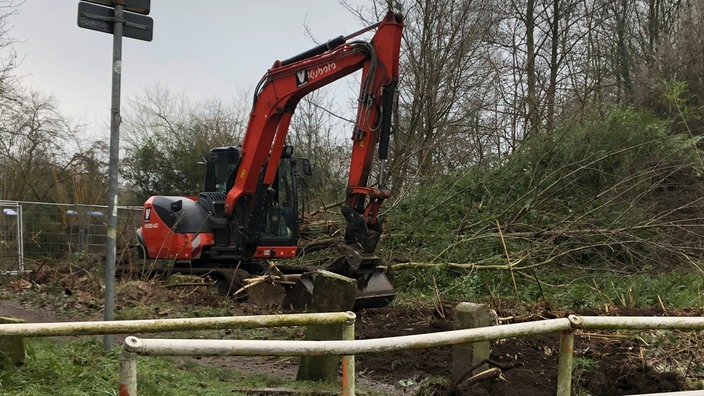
(331, 293)
(465, 356)
(13, 350)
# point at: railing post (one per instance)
(333, 293)
(564, 367)
(464, 356)
(13, 349)
(128, 373)
(348, 371)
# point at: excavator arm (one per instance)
(275, 101)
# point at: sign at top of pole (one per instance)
(100, 18)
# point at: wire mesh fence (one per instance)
(11, 242)
(36, 231)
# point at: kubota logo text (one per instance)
(303, 76)
(321, 70)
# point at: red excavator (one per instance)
(248, 211)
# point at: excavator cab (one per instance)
(281, 215)
(220, 164)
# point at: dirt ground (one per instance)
(622, 365)
(606, 363)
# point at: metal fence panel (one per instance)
(11, 238)
(61, 231)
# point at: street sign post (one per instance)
(114, 20)
(102, 19)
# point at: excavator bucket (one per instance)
(376, 293)
(374, 290)
(299, 296)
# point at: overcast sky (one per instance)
(204, 48)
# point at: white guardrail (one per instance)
(347, 347)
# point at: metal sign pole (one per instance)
(109, 16)
(111, 243)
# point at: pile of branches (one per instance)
(618, 191)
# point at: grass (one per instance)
(580, 366)
(79, 367)
(573, 289)
(52, 367)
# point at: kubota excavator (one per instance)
(248, 211)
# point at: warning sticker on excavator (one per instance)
(243, 173)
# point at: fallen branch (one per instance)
(508, 260)
(484, 375)
(190, 284)
(326, 207)
(465, 266)
(275, 276)
(439, 308)
(494, 372)
(318, 244)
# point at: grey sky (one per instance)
(206, 48)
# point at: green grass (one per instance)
(572, 289)
(79, 367)
(55, 367)
(580, 366)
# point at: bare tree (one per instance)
(477, 79)
(8, 56)
(166, 136)
(670, 83)
(317, 132)
(445, 76)
(41, 151)
(533, 118)
(33, 140)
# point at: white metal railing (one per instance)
(345, 319)
(164, 325)
(347, 347)
(566, 326)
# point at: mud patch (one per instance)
(605, 363)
